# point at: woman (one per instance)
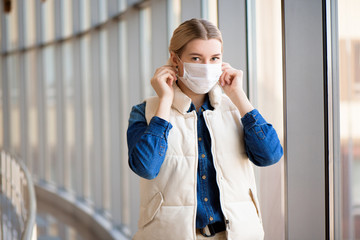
(192, 145)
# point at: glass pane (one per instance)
(32, 104)
(14, 104)
(102, 10)
(48, 21)
(1, 108)
(209, 10)
(145, 50)
(88, 112)
(174, 16)
(349, 69)
(268, 98)
(68, 71)
(106, 115)
(50, 111)
(11, 27)
(30, 22)
(67, 17)
(84, 14)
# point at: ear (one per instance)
(174, 59)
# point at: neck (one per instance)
(197, 99)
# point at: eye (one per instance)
(215, 59)
(195, 59)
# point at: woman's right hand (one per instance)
(162, 82)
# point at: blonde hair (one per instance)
(190, 30)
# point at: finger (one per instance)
(171, 67)
(172, 77)
(170, 81)
(165, 73)
(165, 68)
(224, 78)
(228, 78)
(221, 79)
(225, 66)
(161, 78)
(241, 74)
(221, 82)
(173, 71)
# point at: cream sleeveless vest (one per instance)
(168, 202)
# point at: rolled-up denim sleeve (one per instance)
(147, 144)
(262, 143)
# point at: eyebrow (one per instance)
(198, 54)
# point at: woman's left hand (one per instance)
(231, 80)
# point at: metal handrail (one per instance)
(17, 186)
(30, 225)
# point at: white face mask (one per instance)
(201, 78)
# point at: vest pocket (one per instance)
(255, 202)
(149, 212)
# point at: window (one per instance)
(32, 105)
(349, 71)
(266, 93)
(48, 20)
(50, 108)
(2, 133)
(14, 97)
(69, 115)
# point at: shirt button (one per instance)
(200, 139)
(204, 177)
(211, 218)
(205, 199)
(202, 155)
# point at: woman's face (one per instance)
(200, 51)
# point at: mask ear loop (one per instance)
(178, 57)
(177, 66)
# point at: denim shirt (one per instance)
(261, 143)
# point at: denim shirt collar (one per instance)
(206, 105)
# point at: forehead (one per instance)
(203, 47)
